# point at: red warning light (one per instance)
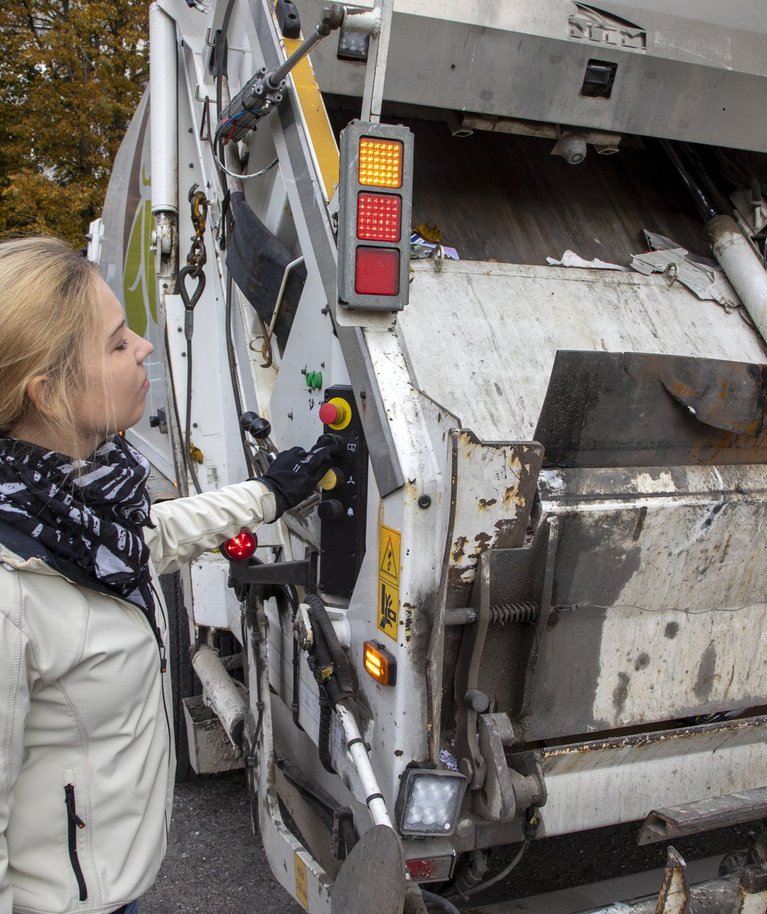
(379, 217)
(240, 547)
(377, 271)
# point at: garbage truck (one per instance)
(512, 256)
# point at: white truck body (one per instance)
(565, 509)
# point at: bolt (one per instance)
(424, 501)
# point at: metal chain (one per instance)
(195, 259)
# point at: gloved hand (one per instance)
(294, 474)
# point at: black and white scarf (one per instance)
(88, 512)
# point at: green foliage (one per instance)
(71, 74)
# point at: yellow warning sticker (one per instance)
(388, 580)
(302, 882)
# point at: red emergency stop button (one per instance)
(336, 413)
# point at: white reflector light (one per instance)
(429, 801)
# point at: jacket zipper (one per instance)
(73, 823)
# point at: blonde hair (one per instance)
(47, 319)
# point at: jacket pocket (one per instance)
(74, 824)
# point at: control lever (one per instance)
(259, 429)
(255, 425)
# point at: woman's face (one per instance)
(116, 383)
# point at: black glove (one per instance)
(294, 474)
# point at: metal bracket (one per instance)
(674, 895)
(704, 815)
(506, 791)
(302, 573)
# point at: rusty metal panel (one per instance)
(656, 606)
(493, 486)
(591, 784)
(632, 409)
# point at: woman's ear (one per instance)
(38, 393)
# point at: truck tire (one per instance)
(183, 681)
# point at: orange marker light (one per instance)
(379, 663)
(380, 162)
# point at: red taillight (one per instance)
(241, 547)
(377, 271)
(430, 869)
(378, 217)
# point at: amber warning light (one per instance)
(374, 216)
(380, 663)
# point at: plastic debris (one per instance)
(571, 259)
(448, 759)
(421, 248)
(699, 274)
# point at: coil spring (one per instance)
(504, 613)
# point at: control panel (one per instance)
(344, 495)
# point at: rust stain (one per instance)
(682, 390)
(483, 541)
(485, 503)
(459, 549)
(648, 739)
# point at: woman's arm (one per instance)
(187, 527)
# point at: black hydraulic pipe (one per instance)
(705, 206)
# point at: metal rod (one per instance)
(278, 304)
(378, 54)
(163, 112)
(332, 18)
(357, 749)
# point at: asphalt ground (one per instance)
(216, 864)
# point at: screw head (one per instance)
(424, 501)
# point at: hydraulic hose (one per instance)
(340, 684)
(438, 903)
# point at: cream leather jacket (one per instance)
(86, 755)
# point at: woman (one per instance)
(86, 761)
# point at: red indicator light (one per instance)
(420, 870)
(430, 869)
(378, 217)
(241, 547)
(376, 271)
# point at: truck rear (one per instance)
(512, 256)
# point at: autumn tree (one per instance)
(71, 74)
